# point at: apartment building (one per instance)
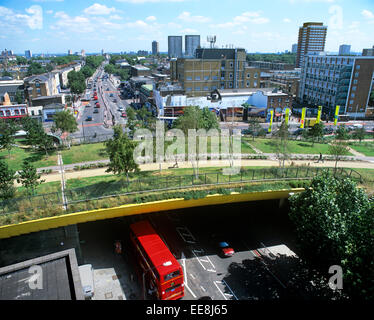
(271, 65)
(192, 42)
(346, 81)
(312, 38)
(368, 52)
(175, 47)
(214, 69)
(344, 49)
(155, 48)
(11, 87)
(47, 84)
(286, 80)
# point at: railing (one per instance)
(104, 190)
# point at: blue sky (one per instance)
(129, 25)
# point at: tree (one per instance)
(316, 132)
(6, 73)
(29, 177)
(209, 119)
(7, 177)
(334, 223)
(282, 148)
(338, 148)
(7, 131)
(121, 153)
(21, 60)
(35, 68)
(132, 122)
(19, 97)
(359, 134)
(254, 127)
(342, 133)
(77, 87)
(65, 122)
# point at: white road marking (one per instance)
(223, 294)
(198, 259)
(230, 289)
(202, 288)
(192, 276)
(185, 275)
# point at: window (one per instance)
(354, 88)
(255, 84)
(37, 84)
(230, 85)
(231, 64)
(214, 87)
(248, 84)
(231, 75)
(355, 81)
(1, 113)
(356, 74)
(215, 77)
(172, 288)
(197, 89)
(189, 78)
(351, 102)
(197, 78)
(171, 275)
(39, 112)
(38, 90)
(206, 88)
(32, 113)
(16, 112)
(248, 75)
(256, 75)
(23, 111)
(189, 89)
(358, 67)
(206, 78)
(352, 95)
(7, 112)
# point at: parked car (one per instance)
(124, 115)
(96, 111)
(97, 105)
(87, 279)
(115, 100)
(111, 95)
(89, 118)
(226, 250)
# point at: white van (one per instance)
(87, 279)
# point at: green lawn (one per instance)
(83, 153)
(18, 155)
(366, 148)
(43, 188)
(297, 147)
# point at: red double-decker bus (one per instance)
(161, 272)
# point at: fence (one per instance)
(103, 190)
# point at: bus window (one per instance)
(172, 288)
(171, 275)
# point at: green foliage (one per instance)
(254, 127)
(281, 145)
(21, 60)
(7, 131)
(7, 177)
(19, 97)
(35, 68)
(116, 70)
(316, 132)
(337, 149)
(342, 133)
(94, 61)
(209, 119)
(65, 121)
(65, 59)
(29, 177)
(121, 153)
(6, 73)
(334, 224)
(359, 134)
(289, 58)
(132, 121)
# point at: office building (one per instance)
(294, 48)
(330, 80)
(344, 49)
(70, 52)
(368, 52)
(155, 48)
(28, 54)
(312, 38)
(175, 47)
(192, 42)
(213, 69)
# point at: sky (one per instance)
(55, 26)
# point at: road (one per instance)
(264, 266)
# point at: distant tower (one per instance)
(212, 40)
(83, 53)
(192, 42)
(102, 52)
(155, 48)
(70, 52)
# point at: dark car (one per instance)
(96, 111)
(89, 118)
(226, 250)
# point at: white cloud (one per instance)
(151, 18)
(98, 9)
(367, 14)
(35, 20)
(286, 20)
(115, 17)
(49, 11)
(187, 17)
(245, 17)
(14, 21)
(188, 30)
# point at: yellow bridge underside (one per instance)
(133, 209)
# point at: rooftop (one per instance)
(60, 279)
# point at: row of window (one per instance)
(7, 113)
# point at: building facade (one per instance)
(28, 54)
(344, 49)
(47, 84)
(312, 38)
(329, 81)
(192, 42)
(175, 47)
(13, 111)
(368, 52)
(214, 69)
(155, 48)
(294, 48)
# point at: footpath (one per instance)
(69, 172)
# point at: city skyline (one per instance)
(54, 26)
